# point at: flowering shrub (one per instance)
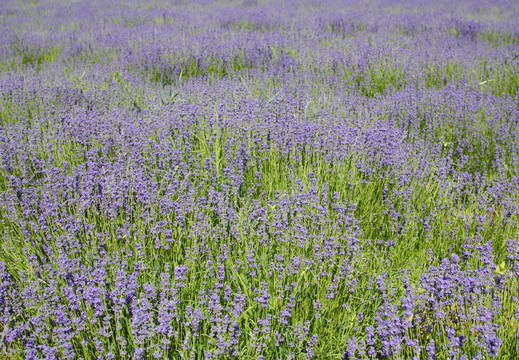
(259, 180)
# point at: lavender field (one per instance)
(270, 179)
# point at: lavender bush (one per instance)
(259, 180)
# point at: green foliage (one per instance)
(439, 75)
(36, 56)
(499, 38)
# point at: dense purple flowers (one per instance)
(259, 179)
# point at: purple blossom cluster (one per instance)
(259, 179)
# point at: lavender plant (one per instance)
(259, 180)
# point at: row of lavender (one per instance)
(265, 180)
